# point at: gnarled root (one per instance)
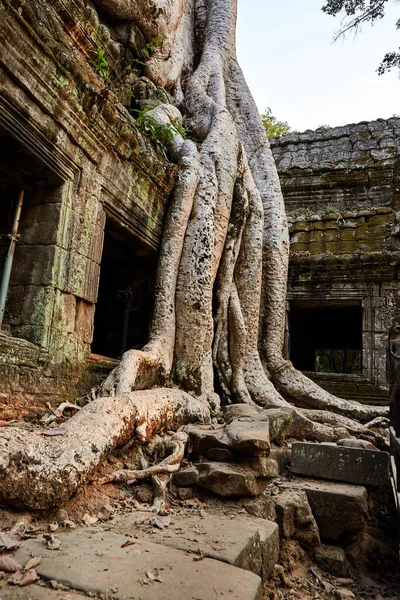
(304, 393)
(173, 445)
(41, 472)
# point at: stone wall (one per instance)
(342, 193)
(77, 152)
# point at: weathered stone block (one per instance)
(295, 519)
(246, 542)
(84, 320)
(204, 438)
(230, 479)
(234, 411)
(262, 507)
(220, 455)
(282, 457)
(186, 477)
(332, 559)
(338, 508)
(351, 465)
(249, 438)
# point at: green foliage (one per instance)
(151, 46)
(147, 52)
(329, 210)
(161, 134)
(273, 127)
(100, 64)
(359, 12)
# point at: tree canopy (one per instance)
(355, 14)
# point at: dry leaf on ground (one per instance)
(9, 565)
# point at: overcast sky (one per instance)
(291, 64)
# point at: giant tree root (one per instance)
(174, 444)
(39, 472)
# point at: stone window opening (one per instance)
(326, 339)
(126, 292)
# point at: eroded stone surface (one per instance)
(353, 443)
(249, 437)
(205, 438)
(242, 541)
(37, 592)
(97, 563)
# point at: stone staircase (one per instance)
(217, 548)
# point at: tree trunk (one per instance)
(220, 293)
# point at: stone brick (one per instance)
(186, 477)
(351, 465)
(338, 508)
(84, 320)
(230, 479)
(295, 519)
(332, 559)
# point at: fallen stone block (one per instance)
(261, 466)
(230, 479)
(244, 542)
(235, 411)
(186, 493)
(295, 518)
(103, 563)
(338, 508)
(270, 541)
(281, 420)
(186, 477)
(249, 438)
(352, 465)
(332, 559)
(203, 439)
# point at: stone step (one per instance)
(339, 463)
(97, 563)
(37, 592)
(338, 508)
(245, 542)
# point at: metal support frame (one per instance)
(5, 280)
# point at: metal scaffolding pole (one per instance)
(5, 280)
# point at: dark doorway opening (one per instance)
(326, 339)
(126, 292)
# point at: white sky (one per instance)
(286, 51)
